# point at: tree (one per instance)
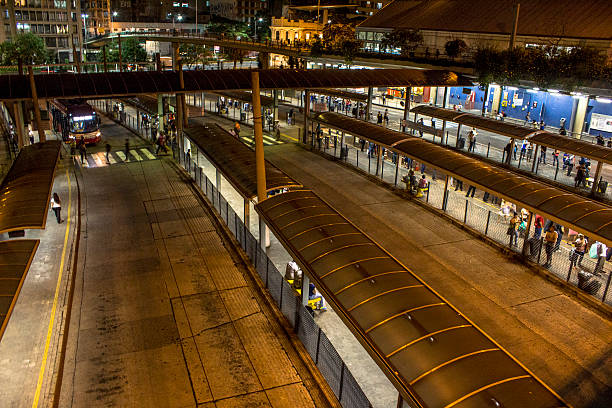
(316, 49)
(28, 47)
(454, 48)
(235, 54)
(194, 54)
(406, 39)
(229, 28)
(131, 51)
(335, 34)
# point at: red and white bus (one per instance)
(75, 118)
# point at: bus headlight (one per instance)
(98, 134)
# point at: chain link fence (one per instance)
(483, 213)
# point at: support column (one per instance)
(264, 60)
(75, 58)
(484, 100)
(535, 158)
(407, 103)
(458, 135)
(160, 112)
(306, 114)
(444, 106)
(578, 119)
(247, 214)
(369, 105)
(526, 240)
(259, 153)
(379, 162)
(275, 106)
(36, 107)
(18, 115)
(444, 196)
(305, 288)
(596, 178)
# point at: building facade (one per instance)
(289, 31)
(96, 16)
(239, 10)
(489, 23)
(57, 22)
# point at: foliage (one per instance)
(334, 35)
(235, 54)
(131, 51)
(546, 66)
(27, 46)
(406, 39)
(454, 48)
(229, 28)
(316, 49)
(194, 54)
(349, 49)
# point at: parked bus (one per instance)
(75, 118)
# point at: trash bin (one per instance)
(602, 186)
(587, 283)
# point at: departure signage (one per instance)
(601, 122)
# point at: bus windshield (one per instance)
(83, 124)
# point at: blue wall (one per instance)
(457, 97)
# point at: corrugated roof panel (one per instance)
(431, 352)
(534, 195)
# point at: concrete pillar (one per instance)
(275, 106)
(526, 241)
(258, 139)
(264, 59)
(379, 160)
(18, 116)
(444, 102)
(305, 288)
(160, 112)
(36, 107)
(596, 178)
(369, 105)
(578, 117)
(175, 55)
(407, 102)
(306, 114)
(458, 135)
(496, 99)
(247, 214)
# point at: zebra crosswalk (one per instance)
(267, 140)
(98, 159)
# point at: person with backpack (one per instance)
(515, 221)
(598, 251)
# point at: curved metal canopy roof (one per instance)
(540, 137)
(245, 97)
(118, 84)
(235, 159)
(15, 259)
(431, 352)
(592, 218)
(468, 119)
(26, 188)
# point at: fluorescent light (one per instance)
(77, 118)
(532, 91)
(536, 89)
(604, 100)
(553, 91)
(512, 88)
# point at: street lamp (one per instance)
(260, 20)
(84, 17)
(113, 14)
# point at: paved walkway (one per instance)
(165, 313)
(29, 345)
(562, 341)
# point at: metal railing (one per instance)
(485, 215)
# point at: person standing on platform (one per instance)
(515, 221)
(56, 206)
(550, 240)
(83, 152)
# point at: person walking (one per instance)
(160, 143)
(472, 140)
(555, 158)
(379, 118)
(56, 206)
(108, 150)
(127, 149)
(83, 152)
(550, 239)
(237, 129)
(580, 177)
(386, 117)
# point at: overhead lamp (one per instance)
(512, 88)
(603, 100)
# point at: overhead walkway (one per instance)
(124, 84)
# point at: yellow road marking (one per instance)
(41, 373)
(289, 137)
(136, 155)
(121, 155)
(147, 153)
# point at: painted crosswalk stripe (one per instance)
(100, 161)
(111, 159)
(121, 155)
(136, 155)
(147, 153)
